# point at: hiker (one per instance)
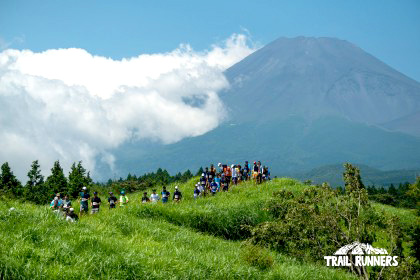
(66, 204)
(154, 197)
(224, 182)
(201, 188)
(217, 181)
(196, 191)
(123, 199)
(71, 216)
(112, 200)
(213, 188)
(84, 201)
(203, 184)
(210, 175)
(165, 195)
(56, 203)
(95, 203)
(213, 169)
(220, 167)
(177, 195)
(255, 171)
(234, 174)
(228, 174)
(260, 173)
(245, 171)
(145, 198)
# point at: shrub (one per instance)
(257, 256)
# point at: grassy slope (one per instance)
(35, 244)
(153, 240)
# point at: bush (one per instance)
(257, 256)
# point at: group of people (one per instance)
(218, 179)
(212, 180)
(64, 206)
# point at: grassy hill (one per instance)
(193, 239)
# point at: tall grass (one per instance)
(227, 214)
(117, 244)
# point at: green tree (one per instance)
(57, 181)
(35, 189)
(9, 184)
(414, 193)
(200, 171)
(78, 178)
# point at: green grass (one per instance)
(36, 244)
(185, 240)
(225, 214)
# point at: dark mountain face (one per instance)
(314, 77)
(298, 104)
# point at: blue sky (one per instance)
(390, 30)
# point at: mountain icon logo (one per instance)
(357, 248)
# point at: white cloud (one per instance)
(69, 105)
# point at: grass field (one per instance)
(186, 240)
(36, 244)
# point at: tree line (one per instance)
(39, 190)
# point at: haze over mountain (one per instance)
(301, 103)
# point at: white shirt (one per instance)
(154, 197)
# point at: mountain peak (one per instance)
(314, 77)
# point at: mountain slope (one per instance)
(315, 77)
(287, 146)
(333, 174)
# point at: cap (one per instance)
(232, 165)
(71, 209)
(202, 174)
(84, 188)
(176, 187)
(95, 192)
(219, 164)
(122, 192)
(58, 194)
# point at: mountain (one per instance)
(333, 174)
(297, 104)
(315, 77)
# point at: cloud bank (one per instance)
(69, 105)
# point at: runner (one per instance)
(66, 205)
(213, 188)
(224, 182)
(154, 197)
(84, 201)
(145, 198)
(260, 172)
(112, 200)
(123, 199)
(71, 216)
(203, 184)
(95, 203)
(255, 171)
(234, 174)
(245, 172)
(217, 180)
(165, 195)
(228, 174)
(177, 195)
(197, 191)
